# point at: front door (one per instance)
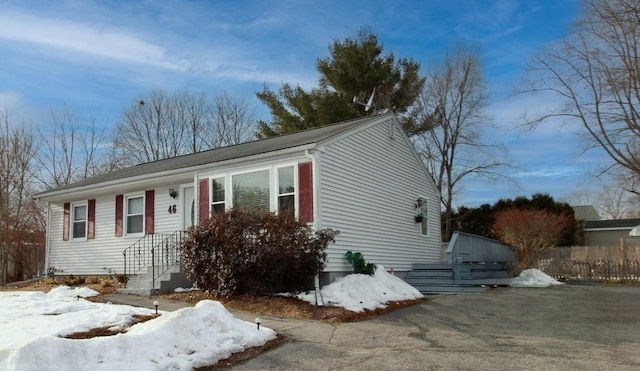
(188, 208)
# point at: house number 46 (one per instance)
(173, 209)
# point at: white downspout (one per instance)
(196, 198)
(47, 234)
(315, 171)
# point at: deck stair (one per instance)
(444, 278)
(473, 264)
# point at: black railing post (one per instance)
(153, 269)
(124, 277)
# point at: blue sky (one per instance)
(96, 57)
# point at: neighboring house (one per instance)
(610, 232)
(585, 212)
(362, 177)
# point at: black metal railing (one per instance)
(158, 250)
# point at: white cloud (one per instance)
(83, 38)
(9, 100)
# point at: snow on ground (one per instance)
(32, 323)
(533, 278)
(357, 292)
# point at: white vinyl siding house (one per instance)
(361, 177)
(369, 184)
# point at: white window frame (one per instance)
(72, 220)
(225, 183)
(425, 220)
(276, 188)
(127, 215)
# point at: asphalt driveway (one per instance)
(571, 327)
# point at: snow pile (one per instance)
(182, 289)
(357, 292)
(533, 278)
(31, 324)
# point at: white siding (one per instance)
(369, 184)
(90, 256)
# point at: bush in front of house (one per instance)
(250, 252)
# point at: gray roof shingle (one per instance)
(256, 147)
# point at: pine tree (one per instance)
(355, 67)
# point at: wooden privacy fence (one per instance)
(591, 263)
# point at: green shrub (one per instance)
(248, 252)
(360, 266)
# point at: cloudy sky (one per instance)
(95, 57)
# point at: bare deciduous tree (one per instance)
(609, 196)
(595, 75)
(71, 150)
(18, 148)
(234, 120)
(451, 110)
(163, 125)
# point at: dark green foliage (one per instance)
(360, 266)
(248, 252)
(354, 68)
(294, 109)
(480, 220)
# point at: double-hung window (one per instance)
(217, 199)
(135, 214)
(79, 221)
(286, 190)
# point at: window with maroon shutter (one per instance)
(203, 200)
(119, 213)
(305, 191)
(66, 219)
(91, 219)
(149, 199)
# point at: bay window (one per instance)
(252, 191)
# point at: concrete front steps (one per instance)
(443, 278)
(142, 283)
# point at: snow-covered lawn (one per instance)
(32, 323)
(33, 326)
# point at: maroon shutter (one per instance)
(149, 201)
(203, 200)
(65, 221)
(91, 219)
(119, 210)
(305, 191)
